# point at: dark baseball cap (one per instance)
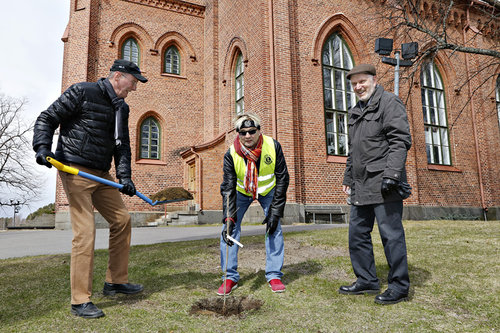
(362, 69)
(125, 66)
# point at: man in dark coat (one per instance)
(374, 178)
(93, 122)
(254, 169)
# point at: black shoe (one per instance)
(111, 289)
(390, 296)
(86, 310)
(358, 289)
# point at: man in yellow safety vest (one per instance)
(254, 169)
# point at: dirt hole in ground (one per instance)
(234, 306)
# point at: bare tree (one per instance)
(17, 175)
(456, 27)
(439, 24)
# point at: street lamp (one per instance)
(383, 46)
(15, 204)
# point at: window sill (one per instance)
(437, 167)
(336, 159)
(152, 162)
(174, 76)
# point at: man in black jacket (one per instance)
(254, 169)
(93, 122)
(379, 138)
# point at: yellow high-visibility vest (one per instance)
(266, 179)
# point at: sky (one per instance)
(31, 67)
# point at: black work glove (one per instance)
(128, 186)
(404, 190)
(271, 222)
(228, 229)
(389, 185)
(41, 156)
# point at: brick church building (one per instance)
(207, 60)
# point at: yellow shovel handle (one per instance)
(62, 167)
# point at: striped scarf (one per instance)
(252, 155)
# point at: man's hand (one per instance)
(271, 222)
(128, 186)
(41, 156)
(228, 229)
(388, 185)
(346, 189)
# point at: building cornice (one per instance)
(179, 6)
(206, 145)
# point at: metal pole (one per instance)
(227, 255)
(396, 75)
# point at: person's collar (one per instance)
(109, 89)
(364, 104)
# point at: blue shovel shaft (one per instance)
(114, 184)
(74, 171)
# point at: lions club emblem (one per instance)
(268, 160)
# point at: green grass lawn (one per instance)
(454, 271)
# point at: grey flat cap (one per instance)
(362, 69)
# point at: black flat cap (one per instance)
(362, 69)
(125, 66)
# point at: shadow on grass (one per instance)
(188, 280)
(418, 276)
(292, 273)
(39, 287)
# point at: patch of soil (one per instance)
(300, 257)
(253, 256)
(234, 306)
(172, 193)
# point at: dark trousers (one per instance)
(393, 238)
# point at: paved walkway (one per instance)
(21, 243)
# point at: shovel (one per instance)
(172, 194)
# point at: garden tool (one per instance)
(169, 194)
(227, 255)
(234, 241)
(228, 237)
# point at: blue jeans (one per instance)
(275, 247)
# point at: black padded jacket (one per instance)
(86, 118)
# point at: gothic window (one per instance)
(239, 93)
(130, 50)
(150, 139)
(435, 119)
(337, 92)
(172, 59)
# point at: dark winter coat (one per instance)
(228, 186)
(379, 138)
(86, 118)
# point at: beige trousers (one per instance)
(83, 195)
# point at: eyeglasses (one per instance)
(244, 133)
(132, 79)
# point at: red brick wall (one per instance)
(198, 106)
